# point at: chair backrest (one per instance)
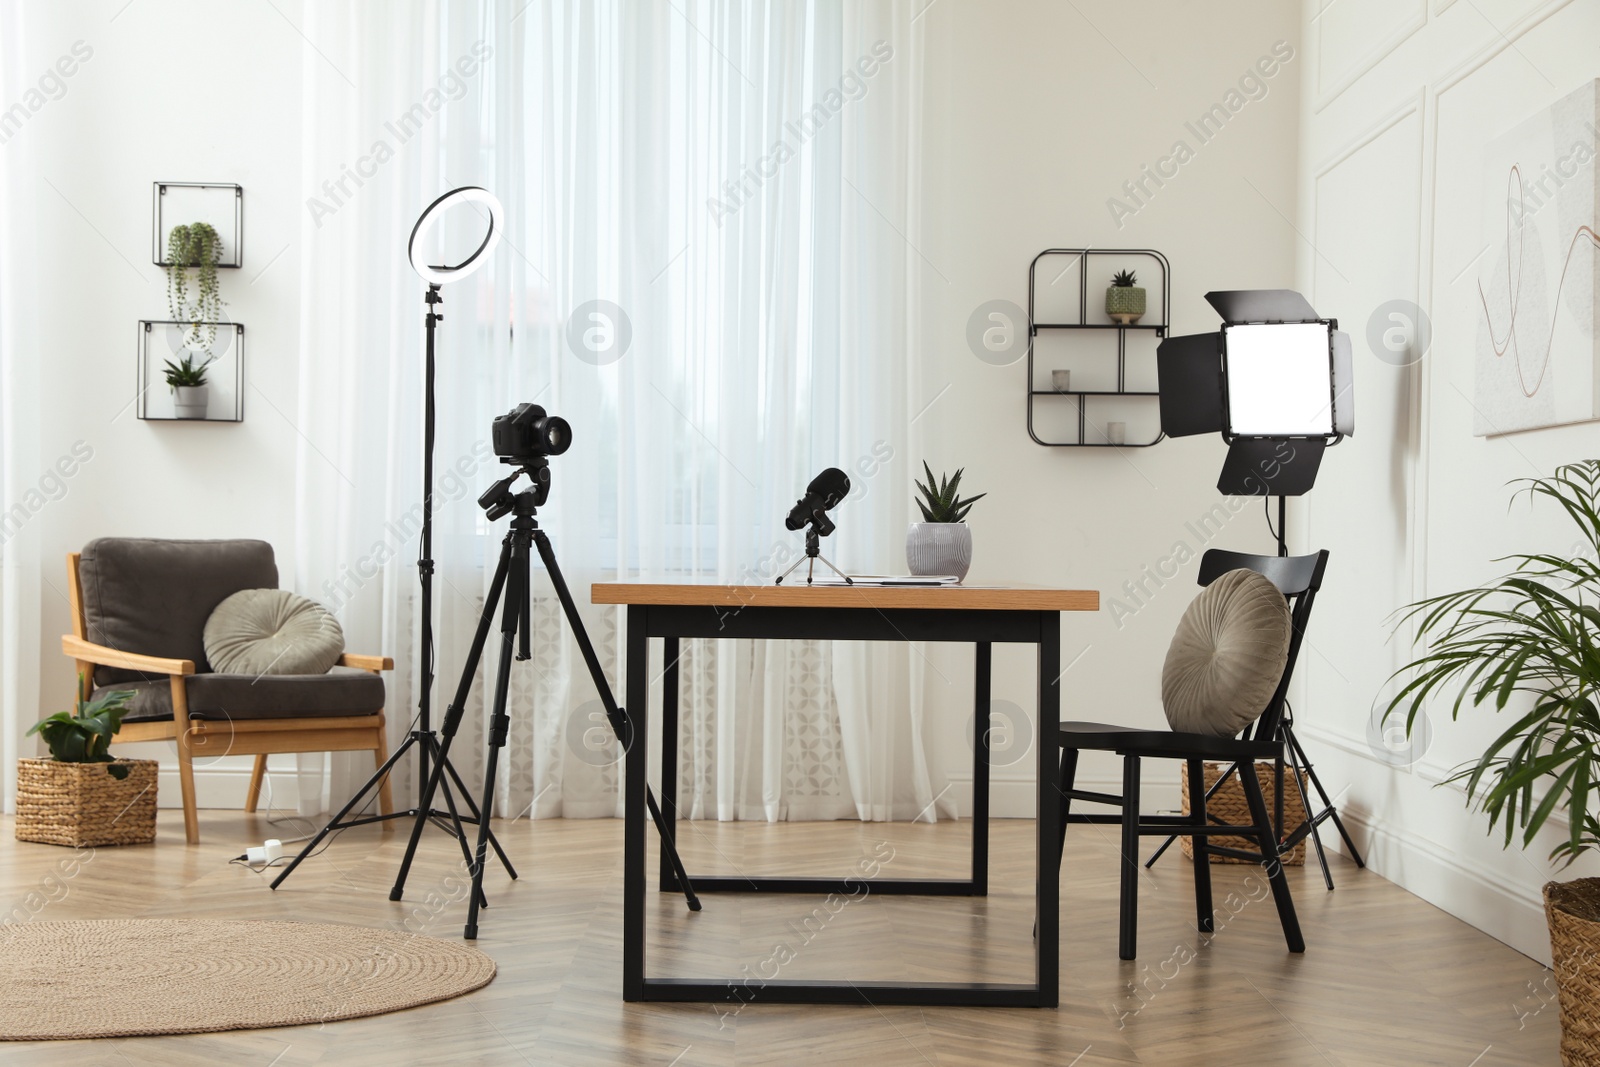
(154, 596)
(1298, 578)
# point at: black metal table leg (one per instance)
(668, 878)
(636, 765)
(981, 726)
(1047, 947)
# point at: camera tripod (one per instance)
(512, 579)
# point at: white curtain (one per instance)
(20, 470)
(709, 271)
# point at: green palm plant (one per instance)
(85, 736)
(1532, 635)
(939, 501)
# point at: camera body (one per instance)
(528, 433)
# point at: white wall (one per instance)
(181, 90)
(1398, 102)
(1036, 115)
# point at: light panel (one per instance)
(1279, 379)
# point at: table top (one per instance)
(944, 597)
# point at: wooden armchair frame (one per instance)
(204, 737)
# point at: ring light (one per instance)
(467, 194)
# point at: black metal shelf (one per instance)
(1090, 392)
(1159, 328)
(226, 199)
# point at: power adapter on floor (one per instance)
(270, 852)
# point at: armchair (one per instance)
(139, 608)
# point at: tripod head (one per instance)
(499, 500)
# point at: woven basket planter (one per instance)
(80, 805)
(1573, 911)
(1228, 805)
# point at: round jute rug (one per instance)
(123, 977)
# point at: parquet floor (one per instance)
(1387, 979)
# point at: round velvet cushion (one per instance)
(272, 631)
(1227, 657)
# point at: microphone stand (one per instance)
(817, 527)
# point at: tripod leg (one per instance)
(1333, 813)
(333, 823)
(619, 721)
(1211, 792)
(1305, 806)
(452, 719)
(499, 726)
(466, 795)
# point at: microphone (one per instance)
(823, 494)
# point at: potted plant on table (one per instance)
(942, 543)
(82, 796)
(1528, 645)
(1125, 300)
(196, 247)
(188, 384)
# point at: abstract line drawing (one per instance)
(1536, 358)
(1514, 274)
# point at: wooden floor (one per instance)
(1386, 979)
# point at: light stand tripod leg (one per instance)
(1211, 792)
(1333, 813)
(1305, 807)
(350, 806)
(829, 564)
(619, 720)
(494, 842)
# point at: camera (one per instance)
(527, 432)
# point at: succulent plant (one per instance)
(941, 504)
(186, 373)
(1123, 279)
(195, 246)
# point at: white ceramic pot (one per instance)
(939, 548)
(192, 401)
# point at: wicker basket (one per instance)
(81, 805)
(1228, 805)
(1573, 911)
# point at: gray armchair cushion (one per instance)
(1227, 656)
(342, 691)
(272, 631)
(154, 596)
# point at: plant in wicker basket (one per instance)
(83, 795)
(1528, 645)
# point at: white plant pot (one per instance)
(191, 401)
(939, 548)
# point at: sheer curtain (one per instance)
(707, 270)
(19, 429)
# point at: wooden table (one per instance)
(979, 615)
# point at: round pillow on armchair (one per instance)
(1227, 656)
(272, 631)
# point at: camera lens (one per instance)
(557, 435)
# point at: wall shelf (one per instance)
(180, 203)
(160, 341)
(1163, 303)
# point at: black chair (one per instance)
(1298, 578)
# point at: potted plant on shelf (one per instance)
(196, 247)
(1124, 300)
(1528, 644)
(942, 543)
(188, 384)
(82, 796)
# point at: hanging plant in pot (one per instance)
(1528, 645)
(195, 247)
(942, 543)
(188, 384)
(1124, 300)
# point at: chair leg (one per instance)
(257, 773)
(380, 756)
(191, 813)
(1129, 921)
(1274, 866)
(1069, 775)
(1205, 916)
